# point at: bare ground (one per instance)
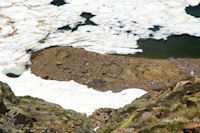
(110, 72)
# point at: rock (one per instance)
(166, 110)
(181, 84)
(101, 116)
(196, 80)
(3, 109)
(194, 128)
(27, 114)
(46, 77)
(59, 63)
(21, 119)
(10, 118)
(8, 94)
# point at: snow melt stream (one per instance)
(120, 24)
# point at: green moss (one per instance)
(37, 108)
(176, 107)
(19, 110)
(175, 95)
(163, 109)
(23, 102)
(1, 93)
(186, 78)
(31, 99)
(176, 126)
(7, 102)
(194, 99)
(155, 124)
(190, 113)
(128, 120)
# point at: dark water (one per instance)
(181, 46)
(12, 75)
(87, 16)
(155, 28)
(193, 10)
(58, 2)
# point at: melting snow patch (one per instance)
(69, 95)
(95, 129)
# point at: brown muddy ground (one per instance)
(110, 72)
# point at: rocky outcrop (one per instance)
(110, 72)
(27, 114)
(12, 118)
(167, 110)
(3, 108)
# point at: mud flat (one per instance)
(111, 72)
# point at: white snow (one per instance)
(23, 23)
(70, 95)
(95, 129)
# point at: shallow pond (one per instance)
(193, 10)
(181, 46)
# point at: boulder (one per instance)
(194, 128)
(2, 106)
(7, 93)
